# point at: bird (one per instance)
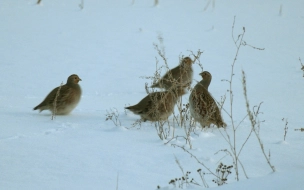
(67, 97)
(180, 75)
(157, 106)
(203, 107)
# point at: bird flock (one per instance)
(156, 106)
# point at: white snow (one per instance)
(109, 44)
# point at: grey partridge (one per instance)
(67, 99)
(180, 75)
(203, 107)
(157, 106)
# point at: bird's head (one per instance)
(73, 79)
(206, 75)
(187, 61)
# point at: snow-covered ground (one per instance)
(109, 44)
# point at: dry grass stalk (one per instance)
(81, 5)
(113, 115)
(301, 129)
(302, 68)
(254, 123)
(193, 156)
(232, 141)
(285, 128)
(208, 4)
(156, 2)
(55, 102)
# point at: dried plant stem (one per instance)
(231, 140)
(113, 115)
(302, 68)
(55, 102)
(81, 5)
(301, 129)
(156, 2)
(203, 178)
(193, 156)
(208, 3)
(179, 165)
(197, 58)
(285, 128)
(254, 123)
(162, 131)
(231, 78)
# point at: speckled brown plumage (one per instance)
(180, 75)
(67, 100)
(157, 106)
(203, 107)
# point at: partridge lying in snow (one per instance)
(67, 99)
(203, 107)
(180, 75)
(157, 106)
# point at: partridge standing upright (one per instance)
(180, 75)
(157, 106)
(67, 98)
(203, 107)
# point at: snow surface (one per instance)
(109, 44)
